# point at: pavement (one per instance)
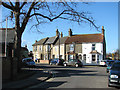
(38, 77)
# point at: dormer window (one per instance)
(93, 47)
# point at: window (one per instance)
(35, 48)
(71, 47)
(46, 48)
(93, 47)
(97, 58)
(80, 57)
(93, 58)
(53, 56)
(56, 48)
(84, 57)
(40, 48)
(49, 48)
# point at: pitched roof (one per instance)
(85, 38)
(10, 35)
(51, 40)
(41, 42)
(62, 40)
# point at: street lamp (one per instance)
(59, 43)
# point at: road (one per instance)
(72, 77)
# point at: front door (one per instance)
(93, 58)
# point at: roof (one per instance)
(51, 40)
(62, 40)
(85, 38)
(94, 52)
(41, 42)
(10, 35)
(24, 48)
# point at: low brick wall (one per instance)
(44, 61)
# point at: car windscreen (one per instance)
(116, 66)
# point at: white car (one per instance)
(28, 62)
(103, 62)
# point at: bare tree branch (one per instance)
(23, 5)
(11, 4)
(7, 6)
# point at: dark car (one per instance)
(28, 62)
(109, 64)
(56, 61)
(73, 62)
(114, 75)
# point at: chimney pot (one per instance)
(35, 40)
(61, 34)
(103, 31)
(25, 46)
(70, 32)
(57, 32)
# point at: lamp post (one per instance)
(59, 43)
(6, 38)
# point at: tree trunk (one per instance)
(17, 48)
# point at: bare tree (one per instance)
(22, 12)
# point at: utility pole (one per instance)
(6, 38)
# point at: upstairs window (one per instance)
(46, 48)
(49, 47)
(35, 48)
(41, 48)
(93, 47)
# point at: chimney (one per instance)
(35, 41)
(61, 34)
(57, 32)
(103, 30)
(70, 32)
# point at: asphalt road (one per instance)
(72, 77)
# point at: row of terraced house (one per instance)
(89, 48)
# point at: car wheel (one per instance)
(76, 65)
(65, 64)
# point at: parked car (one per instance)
(114, 75)
(28, 62)
(103, 62)
(56, 61)
(73, 62)
(109, 64)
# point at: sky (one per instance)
(104, 13)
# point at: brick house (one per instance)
(90, 48)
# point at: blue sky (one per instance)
(104, 13)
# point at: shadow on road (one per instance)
(53, 84)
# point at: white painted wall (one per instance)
(87, 48)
